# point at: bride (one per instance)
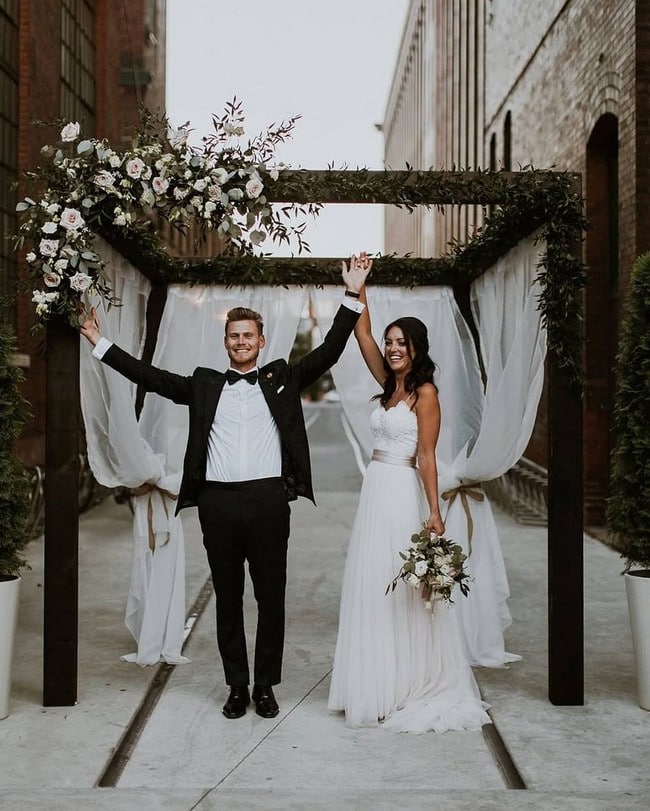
(396, 664)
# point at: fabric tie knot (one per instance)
(232, 377)
(473, 490)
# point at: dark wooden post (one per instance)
(61, 544)
(565, 534)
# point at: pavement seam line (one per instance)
(502, 757)
(131, 735)
(272, 729)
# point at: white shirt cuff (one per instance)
(353, 304)
(101, 347)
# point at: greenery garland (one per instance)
(628, 509)
(546, 203)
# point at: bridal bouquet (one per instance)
(435, 565)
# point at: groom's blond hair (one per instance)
(245, 314)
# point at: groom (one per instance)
(247, 456)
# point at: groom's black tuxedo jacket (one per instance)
(281, 384)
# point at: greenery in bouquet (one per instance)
(434, 565)
(88, 188)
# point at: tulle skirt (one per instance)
(396, 664)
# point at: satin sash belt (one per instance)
(393, 458)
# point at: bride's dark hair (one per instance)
(417, 346)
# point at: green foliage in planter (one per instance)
(14, 487)
(628, 509)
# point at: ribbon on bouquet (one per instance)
(464, 492)
(157, 523)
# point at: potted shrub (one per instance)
(628, 509)
(14, 504)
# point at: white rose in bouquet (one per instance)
(254, 188)
(51, 279)
(70, 132)
(134, 168)
(71, 219)
(80, 282)
(48, 247)
(421, 567)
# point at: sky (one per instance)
(330, 61)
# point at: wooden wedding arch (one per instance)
(520, 203)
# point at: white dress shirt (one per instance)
(244, 441)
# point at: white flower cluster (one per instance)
(220, 187)
(435, 565)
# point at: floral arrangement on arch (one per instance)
(434, 565)
(89, 187)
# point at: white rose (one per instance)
(160, 184)
(31, 256)
(187, 174)
(214, 191)
(134, 168)
(60, 265)
(200, 184)
(235, 194)
(52, 208)
(115, 161)
(51, 279)
(80, 282)
(421, 567)
(48, 247)
(220, 175)
(70, 132)
(105, 179)
(71, 219)
(179, 194)
(209, 208)
(177, 136)
(197, 202)
(412, 580)
(119, 219)
(254, 187)
(49, 228)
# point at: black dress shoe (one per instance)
(265, 703)
(237, 702)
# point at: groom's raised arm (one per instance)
(167, 384)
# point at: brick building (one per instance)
(560, 84)
(90, 61)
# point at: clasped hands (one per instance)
(356, 271)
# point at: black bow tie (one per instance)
(232, 377)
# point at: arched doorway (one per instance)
(601, 327)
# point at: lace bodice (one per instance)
(395, 430)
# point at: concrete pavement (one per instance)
(187, 755)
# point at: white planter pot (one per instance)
(9, 591)
(637, 586)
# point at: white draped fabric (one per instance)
(120, 453)
(483, 432)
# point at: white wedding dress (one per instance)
(396, 665)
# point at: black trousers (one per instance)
(247, 521)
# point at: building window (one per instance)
(8, 147)
(493, 152)
(78, 62)
(507, 142)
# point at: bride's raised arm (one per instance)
(363, 333)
